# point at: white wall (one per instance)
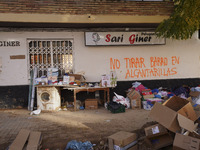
(95, 61)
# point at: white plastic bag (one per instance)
(120, 99)
(135, 84)
(36, 112)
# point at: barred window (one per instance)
(45, 54)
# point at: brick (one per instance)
(75, 7)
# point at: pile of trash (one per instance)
(175, 125)
(139, 96)
(176, 115)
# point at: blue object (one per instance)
(81, 108)
(155, 91)
(155, 141)
(157, 96)
(129, 145)
(170, 95)
(74, 145)
(181, 90)
(149, 103)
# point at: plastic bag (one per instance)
(122, 100)
(74, 145)
(135, 84)
(36, 112)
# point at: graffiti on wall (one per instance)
(139, 67)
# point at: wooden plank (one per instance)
(20, 140)
(110, 144)
(34, 141)
(17, 57)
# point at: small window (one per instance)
(45, 54)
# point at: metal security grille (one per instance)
(45, 54)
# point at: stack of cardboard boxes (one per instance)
(178, 116)
(176, 124)
(148, 99)
(135, 99)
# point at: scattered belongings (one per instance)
(182, 91)
(26, 139)
(140, 96)
(176, 112)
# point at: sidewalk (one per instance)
(58, 128)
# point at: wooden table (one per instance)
(90, 89)
(80, 89)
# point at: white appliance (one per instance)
(48, 98)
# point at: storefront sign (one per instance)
(9, 43)
(122, 38)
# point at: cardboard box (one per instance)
(157, 136)
(135, 99)
(123, 138)
(135, 103)
(184, 142)
(133, 94)
(135, 147)
(148, 96)
(174, 114)
(155, 130)
(158, 142)
(91, 104)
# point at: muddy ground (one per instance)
(58, 128)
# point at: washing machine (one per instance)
(48, 98)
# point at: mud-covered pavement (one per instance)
(58, 128)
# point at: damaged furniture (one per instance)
(90, 89)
